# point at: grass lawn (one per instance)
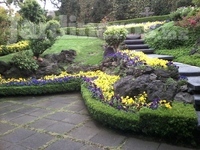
(89, 49)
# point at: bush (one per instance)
(168, 36)
(140, 20)
(72, 85)
(38, 46)
(24, 61)
(114, 35)
(12, 48)
(53, 29)
(183, 12)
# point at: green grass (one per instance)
(89, 49)
(181, 54)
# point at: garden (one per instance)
(42, 57)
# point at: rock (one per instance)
(131, 86)
(183, 88)
(184, 97)
(159, 89)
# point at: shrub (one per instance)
(12, 48)
(24, 61)
(114, 35)
(183, 12)
(38, 46)
(168, 36)
(53, 29)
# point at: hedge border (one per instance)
(163, 124)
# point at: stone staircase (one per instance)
(135, 42)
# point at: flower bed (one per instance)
(174, 122)
(12, 48)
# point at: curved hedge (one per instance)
(176, 125)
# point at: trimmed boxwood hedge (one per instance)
(73, 85)
(176, 125)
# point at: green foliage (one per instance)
(177, 125)
(181, 54)
(140, 20)
(168, 36)
(4, 26)
(183, 12)
(53, 29)
(70, 86)
(196, 2)
(24, 61)
(184, 3)
(108, 115)
(114, 36)
(32, 11)
(38, 46)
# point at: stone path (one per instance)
(61, 122)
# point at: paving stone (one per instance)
(5, 104)
(139, 144)
(84, 133)
(171, 147)
(5, 127)
(16, 147)
(23, 119)
(4, 145)
(57, 105)
(75, 118)
(76, 108)
(60, 127)
(108, 138)
(40, 112)
(93, 124)
(194, 83)
(36, 140)
(65, 145)
(4, 110)
(27, 110)
(188, 70)
(45, 104)
(42, 123)
(59, 116)
(17, 136)
(90, 147)
(10, 116)
(31, 100)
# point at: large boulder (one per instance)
(131, 86)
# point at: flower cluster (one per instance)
(12, 48)
(154, 62)
(146, 26)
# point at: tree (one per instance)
(101, 9)
(4, 26)
(32, 11)
(196, 2)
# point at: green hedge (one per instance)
(140, 20)
(40, 89)
(176, 125)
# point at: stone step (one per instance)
(145, 51)
(135, 41)
(194, 83)
(197, 99)
(188, 70)
(133, 36)
(165, 57)
(137, 46)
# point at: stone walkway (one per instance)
(61, 122)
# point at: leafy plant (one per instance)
(168, 36)
(24, 61)
(114, 36)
